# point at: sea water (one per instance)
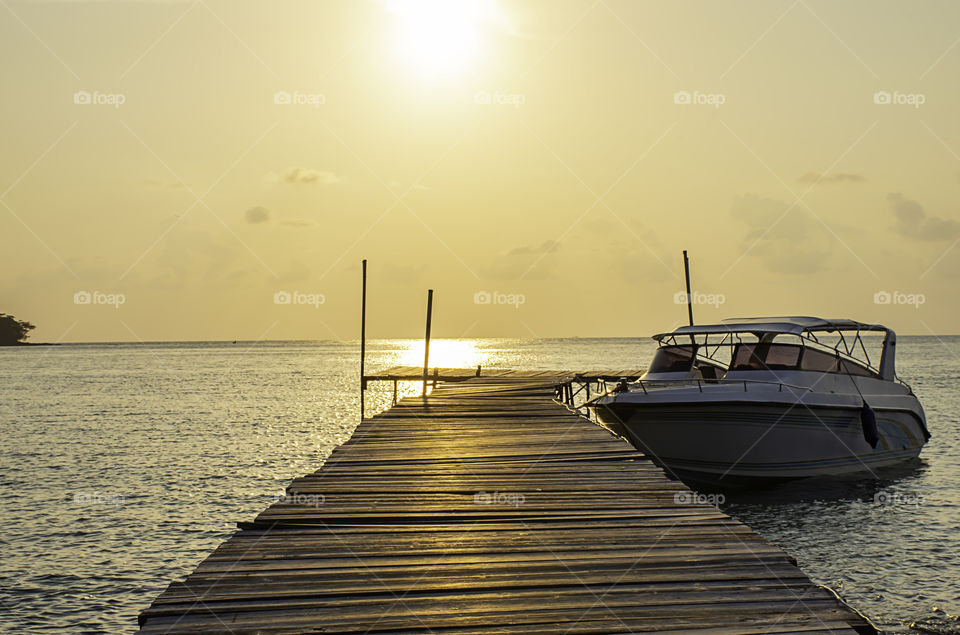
(124, 465)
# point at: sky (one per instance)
(218, 170)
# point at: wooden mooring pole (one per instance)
(363, 337)
(426, 341)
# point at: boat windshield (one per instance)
(673, 359)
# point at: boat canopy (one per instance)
(804, 327)
(786, 325)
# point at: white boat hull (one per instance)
(731, 442)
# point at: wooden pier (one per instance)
(488, 507)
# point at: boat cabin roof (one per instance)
(787, 325)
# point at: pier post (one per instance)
(426, 341)
(363, 336)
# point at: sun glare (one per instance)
(440, 37)
(443, 354)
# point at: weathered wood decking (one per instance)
(489, 508)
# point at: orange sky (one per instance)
(178, 170)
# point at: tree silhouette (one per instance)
(13, 331)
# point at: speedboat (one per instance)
(769, 398)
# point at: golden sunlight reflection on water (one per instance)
(443, 354)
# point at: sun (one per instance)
(438, 38)
(444, 353)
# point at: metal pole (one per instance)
(686, 274)
(426, 341)
(363, 336)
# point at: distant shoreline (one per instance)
(32, 344)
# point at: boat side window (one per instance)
(764, 356)
(673, 359)
(709, 371)
(745, 358)
(848, 367)
(819, 361)
(777, 356)
(783, 357)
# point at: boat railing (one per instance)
(644, 383)
(904, 384)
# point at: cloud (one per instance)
(400, 187)
(913, 221)
(403, 274)
(310, 176)
(296, 271)
(545, 247)
(161, 184)
(256, 215)
(840, 177)
(791, 244)
(524, 262)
